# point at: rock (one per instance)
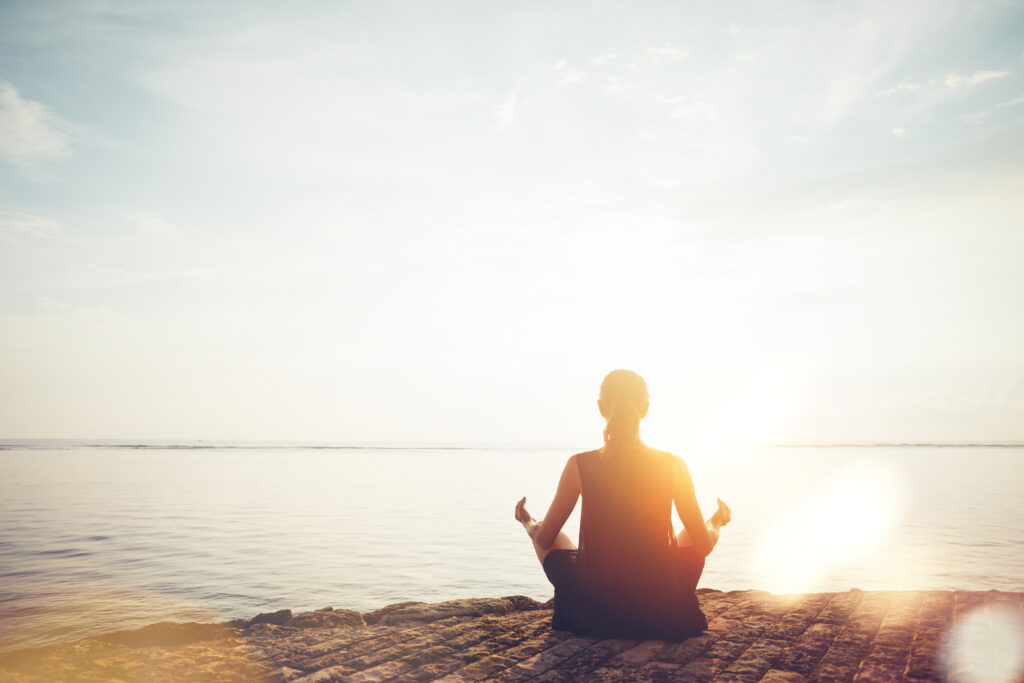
(777, 676)
(376, 615)
(167, 634)
(282, 674)
(423, 612)
(754, 636)
(266, 630)
(278, 618)
(521, 603)
(323, 618)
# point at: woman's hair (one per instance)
(625, 400)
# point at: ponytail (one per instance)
(623, 424)
(624, 397)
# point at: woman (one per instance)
(631, 576)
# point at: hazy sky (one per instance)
(377, 221)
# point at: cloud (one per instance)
(147, 223)
(899, 133)
(696, 111)
(977, 118)
(1012, 103)
(685, 109)
(616, 87)
(746, 56)
(665, 51)
(903, 87)
(15, 226)
(954, 80)
(29, 132)
(568, 75)
(606, 58)
(505, 111)
(647, 135)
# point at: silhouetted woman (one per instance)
(631, 576)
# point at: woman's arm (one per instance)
(703, 535)
(546, 531)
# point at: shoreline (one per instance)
(752, 636)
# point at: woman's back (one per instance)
(628, 578)
(627, 505)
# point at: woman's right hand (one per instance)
(522, 515)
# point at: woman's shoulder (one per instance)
(667, 455)
(585, 455)
(675, 462)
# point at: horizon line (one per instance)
(268, 444)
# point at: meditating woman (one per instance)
(632, 576)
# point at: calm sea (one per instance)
(100, 536)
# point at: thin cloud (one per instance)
(685, 109)
(29, 132)
(567, 75)
(505, 111)
(903, 87)
(616, 87)
(665, 51)
(148, 223)
(16, 226)
(697, 111)
(606, 58)
(977, 118)
(954, 80)
(746, 56)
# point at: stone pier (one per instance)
(752, 636)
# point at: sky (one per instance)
(442, 222)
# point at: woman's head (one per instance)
(623, 403)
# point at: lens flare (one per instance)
(985, 646)
(840, 523)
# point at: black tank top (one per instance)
(629, 581)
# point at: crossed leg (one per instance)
(532, 526)
(562, 542)
(721, 517)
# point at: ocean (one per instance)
(101, 536)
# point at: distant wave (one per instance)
(162, 447)
(43, 444)
(909, 444)
(294, 447)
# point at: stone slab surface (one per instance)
(752, 636)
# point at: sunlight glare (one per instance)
(841, 523)
(986, 645)
(757, 413)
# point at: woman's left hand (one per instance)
(722, 516)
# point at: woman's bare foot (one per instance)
(722, 516)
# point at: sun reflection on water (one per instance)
(839, 524)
